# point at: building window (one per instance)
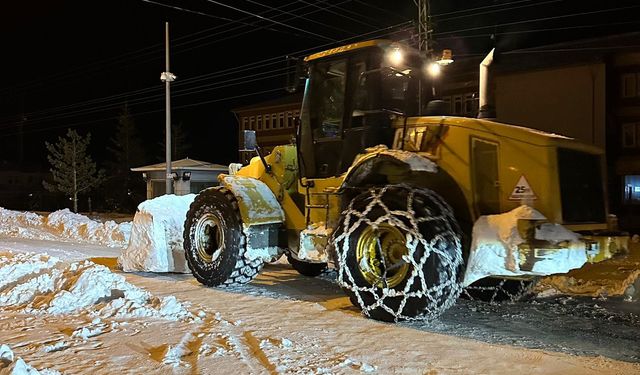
(457, 105)
(630, 85)
(245, 124)
(470, 107)
(629, 135)
(289, 120)
(259, 122)
(631, 189)
(281, 120)
(267, 122)
(252, 123)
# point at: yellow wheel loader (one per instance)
(389, 197)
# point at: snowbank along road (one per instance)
(67, 308)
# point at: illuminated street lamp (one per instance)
(446, 58)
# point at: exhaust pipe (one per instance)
(487, 107)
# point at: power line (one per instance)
(303, 17)
(143, 52)
(538, 19)
(540, 30)
(480, 8)
(328, 10)
(499, 10)
(229, 20)
(139, 113)
(385, 11)
(270, 20)
(229, 71)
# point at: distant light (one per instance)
(395, 57)
(446, 58)
(434, 69)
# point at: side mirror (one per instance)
(295, 73)
(250, 142)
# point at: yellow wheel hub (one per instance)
(209, 237)
(380, 253)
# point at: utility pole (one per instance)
(167, 77)
(424, 40)
(425, 44)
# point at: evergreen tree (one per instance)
(74, 172)
(124, 188)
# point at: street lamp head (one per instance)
(446, 58)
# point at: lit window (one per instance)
(631, 189)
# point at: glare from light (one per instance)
(434, 69)
(395, 57)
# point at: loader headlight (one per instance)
(434, 69)
(394, 56)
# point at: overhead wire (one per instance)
(538, 20)
(270, 20)
(186, 92)
(145, 51)
(302, 17)
(329, 10)
(537, 4)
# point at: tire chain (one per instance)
(450, 289)
(524, 289)
(245, 269)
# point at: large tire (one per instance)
(306, 268)
(214, 242)
(399, 253)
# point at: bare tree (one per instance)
(74, 172)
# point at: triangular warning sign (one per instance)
(522, 190)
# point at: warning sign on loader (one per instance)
(522, 190)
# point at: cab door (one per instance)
(486, 181)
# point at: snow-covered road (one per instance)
(286, 323)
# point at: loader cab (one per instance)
(350, 101)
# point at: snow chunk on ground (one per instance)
(157, 236)
(10, 364)
(38, 284)
(618, 276)
(494, 251)
(65, 226)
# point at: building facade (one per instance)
(274, 122)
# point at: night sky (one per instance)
(75, 63)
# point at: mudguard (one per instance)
(258, 204)
(377, 155)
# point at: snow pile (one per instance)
(39, 284)
(71, 225)
(157, 236)
(494, 251)
(63, 225)
(618, 276)
(10, 364)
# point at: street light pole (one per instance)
(167, 77)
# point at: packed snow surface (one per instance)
(39, 284)
(494, 250)
(63, 225)
(156, 243)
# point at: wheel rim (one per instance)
(380, 255)
(209, 238)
